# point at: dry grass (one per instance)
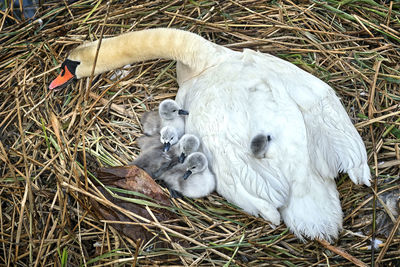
(48, 141)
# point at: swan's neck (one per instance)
(193, 51)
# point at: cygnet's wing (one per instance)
(173, 177)
(151, 123)
(154, 161)
(145, 142)
(199, 185)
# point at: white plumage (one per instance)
(232, 97)
(314, 140)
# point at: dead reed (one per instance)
(49, 141)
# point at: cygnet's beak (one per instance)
(167, 146)
(67, 75)
(183, 112)
(187, 174)
(182, 157)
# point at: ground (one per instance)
(51, 141)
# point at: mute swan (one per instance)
(169, 114)
(145, 142)
(151, 123)
(230, 95)
(191, 178)
(168, 137)
(259, 145)
(153, 159)
(188, 144)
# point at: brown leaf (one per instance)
(134, 179)
(56, 127)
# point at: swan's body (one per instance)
(233, 96)
(191, 178)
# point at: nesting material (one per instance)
(51, 141)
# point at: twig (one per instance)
(342, 253)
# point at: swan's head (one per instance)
(169, 137)
(67, 75)
(188, 144)
(195, 163)
(169, 110)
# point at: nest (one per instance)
(52, 141)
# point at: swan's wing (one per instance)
(334, 144)
(255, 186)
(332, 137)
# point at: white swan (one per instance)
(232, 96)
(191, 178)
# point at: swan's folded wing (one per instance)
(259, 178)
(333, 142)
(270, 182)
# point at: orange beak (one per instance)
(67, 74)
(62, 79)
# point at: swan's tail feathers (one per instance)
(191, 50)
(360, 175)
(334, 143)
(315, 213)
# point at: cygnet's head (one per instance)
(169, 110)
(188, 144)
(259, 145)
(169, 137)
(195, 163)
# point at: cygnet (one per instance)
(169, 114)
(151, 123)
(192, 178)
(188, 144)
(259, 145)
(168, 137)
(152, 158)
